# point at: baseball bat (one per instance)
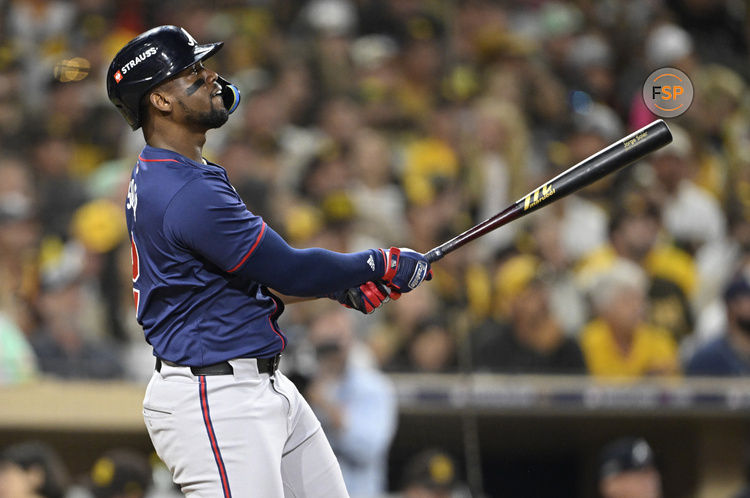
(618, 155)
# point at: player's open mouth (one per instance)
(216, 94)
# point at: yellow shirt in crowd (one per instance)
(664, 260)
(653, 351)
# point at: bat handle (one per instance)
(434, 255)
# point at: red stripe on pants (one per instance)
(212, 438)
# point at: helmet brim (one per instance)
(203, 52)
(200, 53)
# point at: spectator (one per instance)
(690, 214)
(635, 234)
(379, 202)
(567, 299)
(430, 349)
(718, 31)
(714, 122)
(32, 470)
(59, 192)
(97, 229)
(618, 342)
(35, 27)
(431, 473)
(355, 403)
(532, 341)
(497, 155)
(421, 61)
(252, 172)
(712, 319)
(17, 359)
(340, 120)
(627, 470)
(665, 45)
(19, 242)
(387, 340)
(729, 354)
(590, 63)
(583, 222)
(120, 473)
(63, 344)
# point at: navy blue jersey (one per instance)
(189, 230)
(202, 263)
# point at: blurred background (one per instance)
(604, 338)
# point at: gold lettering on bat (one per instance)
(527, 200)
(533, 198)
(629, 143)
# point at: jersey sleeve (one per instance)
(312, 272)
(208, 217)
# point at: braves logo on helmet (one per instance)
(190, 40)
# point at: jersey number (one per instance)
(136, 270)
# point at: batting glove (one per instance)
(366, 298)
(404, 270)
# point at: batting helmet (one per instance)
(151, 58)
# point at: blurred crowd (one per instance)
(35, 469)
(625, 467)
(371, 123)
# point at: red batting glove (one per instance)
(366, 298)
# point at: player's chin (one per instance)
(216, 117)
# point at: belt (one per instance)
(265, 365)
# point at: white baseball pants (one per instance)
(242, 435)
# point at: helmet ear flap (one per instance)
(230, 94)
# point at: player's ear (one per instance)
(160, 101)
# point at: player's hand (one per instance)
(366, 298)
(405, 269)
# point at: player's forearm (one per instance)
(309, 272)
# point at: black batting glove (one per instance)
(366, 298)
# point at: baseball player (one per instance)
(209, 280)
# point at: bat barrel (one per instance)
(618, 155)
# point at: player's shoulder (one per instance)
(155, 160)
(167, 170)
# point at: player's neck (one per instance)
(188, 144)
